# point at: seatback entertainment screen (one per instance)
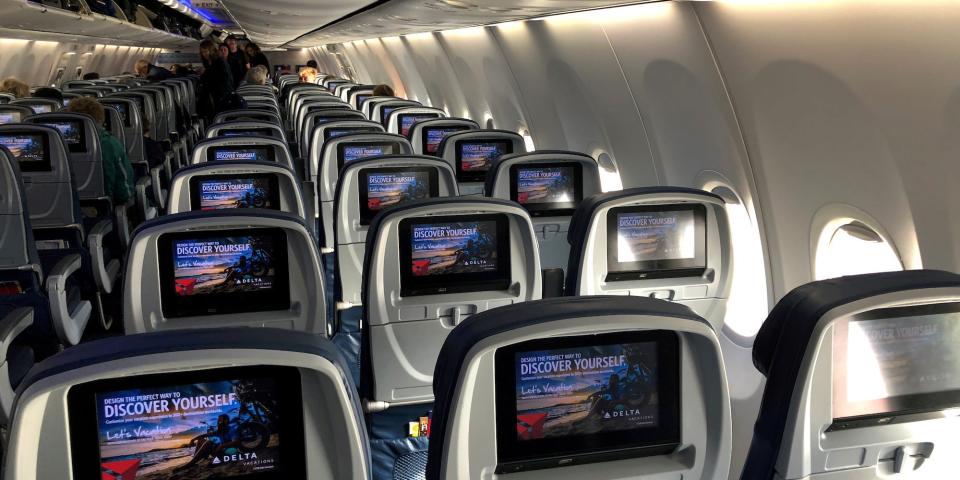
(547, 188)
(385, 187)
(341, 131)
(124, 112)
(406, 120)
(32, 150)
(40, 108)
(474, 158)
(655, 241)
(248, 153)
(227, 271)
(9, 117)
(454, 254)
(72, 133)
(348, 152)
(217, 192)
(246, 132)
(432, 136)
(225, 423)
(896, 362)
(587, 395)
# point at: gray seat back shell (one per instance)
(50, 194)
(291, 199)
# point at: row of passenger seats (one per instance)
(635, 383)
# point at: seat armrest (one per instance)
(68, 324)
(11, 326)
(122, 214)
(159, 196)
(104, 273)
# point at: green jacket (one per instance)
(117, 172)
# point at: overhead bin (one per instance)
(27, 15)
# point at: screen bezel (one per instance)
(45, 165)
(901, 408)
(514, 455)
(667, 268)
(401, 116)
(363, 176)
(475, 176)
(81, 145)
(82, 419)
(197, 180)
(343, 146)
(212, 152)
(175, 306)
(554, 209)
(413, 286)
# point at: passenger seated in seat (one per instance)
(308, 74)
(256, 76)
(15, 87)
(152, 149)
(383, 90)
(91, 76)
(117, 172)
(151, 72)
(313, 64)
(47, 92)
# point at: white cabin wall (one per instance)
(35, 62)
(853, 103)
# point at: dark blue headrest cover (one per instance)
(493, 322)
(580, 222)
(781, 345)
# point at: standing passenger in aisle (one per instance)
(216, 82)
(237, 60)
(256, 56)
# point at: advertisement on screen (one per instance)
(213, 430)
(390, 189)
(24, 147)
(69, 130)
(545, 185)
(258, 154)
(223, 265)
(235, 193)
(9, 117)
(452, 248)
(586, 390)
(407, 121)
(886, 358)
(435, 136)
(646, 236)
(351, 153)
(478, 157)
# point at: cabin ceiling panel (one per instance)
(402, 17)
(275, 22)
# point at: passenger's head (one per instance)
(308, 74)
(232, 43)
(252, 49)
(224, 51)
(91, 76)
(312, 64)
(142, 68)
(208, 51)
(47, 92)
(16, 87)
(383, 90)
(257, 75)
(89, 106)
